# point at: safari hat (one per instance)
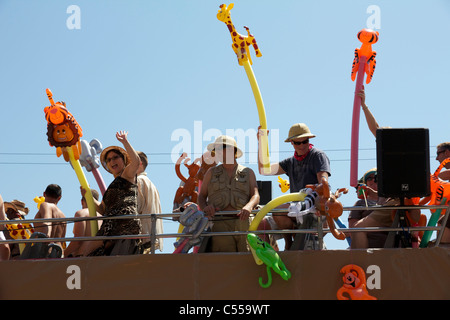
(105, 152)
(367, 174)
(17, 206)
(299, 130)
(229, 141)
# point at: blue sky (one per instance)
(161, 68)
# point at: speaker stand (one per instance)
(399, 239)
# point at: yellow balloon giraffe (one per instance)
(240, 43)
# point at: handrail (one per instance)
(153, 235)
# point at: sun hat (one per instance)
(17, 206)
(229, 141)
(367, 174)
(299, 130)
(116, 148)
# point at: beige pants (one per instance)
(230, 243)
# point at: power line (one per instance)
(162, 153)
(167, 154)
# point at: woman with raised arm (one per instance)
(119, 199)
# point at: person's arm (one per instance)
(275, 168)
(370, 119)
(131, 169)
(99, 206)
(445, 175)
(254, 198)
(322, 174)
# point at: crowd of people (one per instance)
(228, 186)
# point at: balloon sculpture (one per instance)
(64, 133)
(189, 189)
(296, 196)
(328, 205)
(440, 194)
(207, 161)
(354, 284)
(38, 201)
(240, 46)
(284, 184)
(89, 159)
(194, 222)
(269, 256)
(63, 130)
(20, 230)
(364, 62)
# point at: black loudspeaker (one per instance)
(403, 162)
(265, 191)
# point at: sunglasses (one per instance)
(439, 152)
(297, 143)
(374, 178)
(108, 160)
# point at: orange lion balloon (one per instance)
(62, 128)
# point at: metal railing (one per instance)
(320, 231)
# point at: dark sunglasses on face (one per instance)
(297, 143)
(439, 152)
(108, 160)
(374, 178)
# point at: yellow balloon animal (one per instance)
(38, 201)
(19, 231)
(284, 184)
(240, 46)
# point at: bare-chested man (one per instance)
(81, 228)
(49, 210)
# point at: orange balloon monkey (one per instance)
(354, 284)
(367, 37)
(328, 205)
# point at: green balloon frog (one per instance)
(270, 257)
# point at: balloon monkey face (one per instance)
(334, 208)
(351, 280)
(62, 133)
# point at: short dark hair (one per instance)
(116, 152)
(143, 158)
(53, 191)
(444, 145)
